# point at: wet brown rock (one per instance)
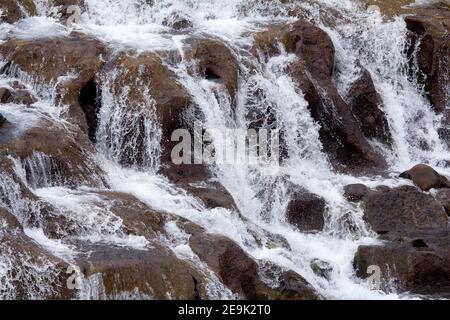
(426, 178)
(51, 58)
(340, 133)
(65, 158)
(306, 211)
(215, 61)
(16, 93)
(154, 273)
(171, 100)
(443, 196)
(356, 192)
(237, 270)
(14, 10)
(213, 195)
(365, 103)
(240, 273)
(22, 257)
(403, 209)
(178, 21)
(429, 28)
(417, 262)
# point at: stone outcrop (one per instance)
(366, 103)
(403, 209)
(14, 10)
(426, 178)
(54, 61)
(306, 211)
(429, 28)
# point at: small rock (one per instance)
(14, 10)
(3, 121)
(356, 192)
(426, 178)
(306, 211)
(443, 196)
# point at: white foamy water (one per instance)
(261, 199)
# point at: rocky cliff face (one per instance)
(92, 205)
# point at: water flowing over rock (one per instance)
(306, 211)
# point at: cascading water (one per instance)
(361, 38)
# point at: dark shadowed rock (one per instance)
(340, 133)
(443, 196)
(5, 95)
(356, 192)
(306, 211)
(14, 10)
(416, 262)
(403, 209)
(154, 273)
(366, 103)
(62, 8)
(321, 268)
(426, 178)
(178, 21)
(429, 28)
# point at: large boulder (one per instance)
(356, 192)
(3, 121)
(403, 209)
(365, 103)
(306, 211)
(418, 263)
(71, 63)
(240, 273)
(429, 28)
(153, 273)
(426, 178)
(14, 10)
(155, 103)
(443, 196)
